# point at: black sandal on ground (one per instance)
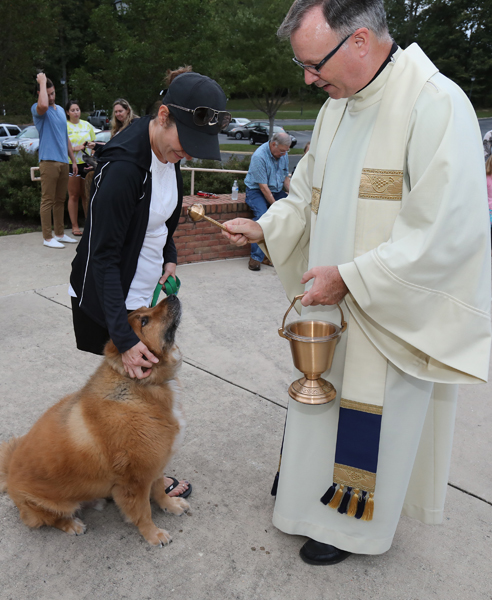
(175, 484)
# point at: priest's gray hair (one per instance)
(281, 138)
(343, 16)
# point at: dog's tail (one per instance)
(6, 451)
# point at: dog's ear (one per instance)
(110, 349)
(114, 358)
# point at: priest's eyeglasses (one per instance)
(203, 115)
(322, 63)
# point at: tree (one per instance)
(133, 49)
(20, 60)
(454, 34)
(257, 63)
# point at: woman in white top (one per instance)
(136, 198)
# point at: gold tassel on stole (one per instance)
(337, 498)
(354, 501)
(369, 508)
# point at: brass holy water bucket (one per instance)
(312, 344)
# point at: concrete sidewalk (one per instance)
(235, 376)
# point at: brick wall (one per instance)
(196, 242)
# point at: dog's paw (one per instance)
(159, 537)
(177, 506)
(74, 526)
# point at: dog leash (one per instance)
(171, 286)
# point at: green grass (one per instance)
(484, 113)
(294, 105)
(237, 147)
(260, 116)
(250, 148)
(299, 127)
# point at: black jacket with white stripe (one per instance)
(108, 252)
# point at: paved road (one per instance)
(485, 125)
(303, 137)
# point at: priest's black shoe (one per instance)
(316, 553)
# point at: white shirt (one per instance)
(162, 204)
(149, 267)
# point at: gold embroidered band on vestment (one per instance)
(379, 184)
(374, 409)
(354, 478)
(315, 198)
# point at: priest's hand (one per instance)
(328, 287)
(243, 231)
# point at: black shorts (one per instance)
(81, 170)
(89, 335)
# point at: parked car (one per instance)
(8, 130)
(103, 136)
(243, 131)
(235, 122)
(28, 139)
(261, 134)
(99, 118)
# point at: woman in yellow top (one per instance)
(79, 133)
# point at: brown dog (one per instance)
(114, 437)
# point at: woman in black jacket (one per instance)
(136, 200)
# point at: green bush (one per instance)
(19, 196)
(216, 183)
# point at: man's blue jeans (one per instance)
(258, 204)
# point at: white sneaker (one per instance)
(53, 243)
(65, 238)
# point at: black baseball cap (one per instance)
(191, 90)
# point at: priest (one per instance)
(386, 216)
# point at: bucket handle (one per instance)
(281, 329)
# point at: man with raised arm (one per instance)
(387, 215)
(54, 149)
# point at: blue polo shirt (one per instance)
(53, 136)
(264, 168)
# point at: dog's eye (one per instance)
(144, 321)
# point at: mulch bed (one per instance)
(11, 224)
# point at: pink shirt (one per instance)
(489, 190)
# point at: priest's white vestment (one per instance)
(421, 297)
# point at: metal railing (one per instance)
(192, 169)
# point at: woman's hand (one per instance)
(138, 361)
(169, 270)
(328, 288)
(243, 231)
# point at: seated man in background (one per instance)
(487, 144)
(267, 177)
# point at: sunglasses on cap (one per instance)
(203, 115)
